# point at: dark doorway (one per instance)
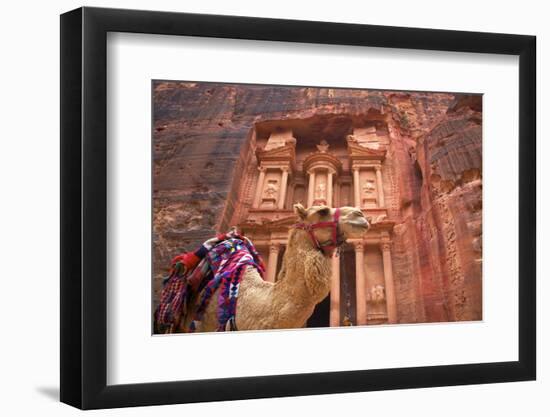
(347, 286)
(321, 314)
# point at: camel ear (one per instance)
(300, 211)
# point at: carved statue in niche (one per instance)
(368, 187)
(271, 190)
(320, 191)
(377, 293)
(323, 146)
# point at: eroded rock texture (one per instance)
(432, 177)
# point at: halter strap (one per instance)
(309, 228)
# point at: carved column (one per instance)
(360, 284)
(337, 196)
(357, 194)
(391, 303)
(379, 185)
(259, 188)
(282, 194)
(329, 188)
(272, 262)
(311, 189)
(335, 292)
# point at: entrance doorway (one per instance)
(321, 314)
(347, 287)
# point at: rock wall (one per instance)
(201, 145)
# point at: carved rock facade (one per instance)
(243, 155)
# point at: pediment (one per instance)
(286, 152)
(266, 223)
(283, 222)
(361, 152)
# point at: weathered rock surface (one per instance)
(432, 181)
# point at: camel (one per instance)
(302, 283)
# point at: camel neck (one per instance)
(305, 270)
(299, 240)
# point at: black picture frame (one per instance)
(84, 207)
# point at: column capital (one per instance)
(378, 168)
(272, 261)
(385, 244)
(274, 247)
(261, 169)
(359, 246)
(285, 169)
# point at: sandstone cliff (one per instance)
(433, 177)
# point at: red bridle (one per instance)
(309, 228)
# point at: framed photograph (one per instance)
(257, 208)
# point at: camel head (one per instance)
(352, 223)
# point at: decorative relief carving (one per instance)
(320, 191)
(377, 293)
(271, 190)
(323, 146)
(368, 187)
(270, 194)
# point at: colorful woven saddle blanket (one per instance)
(223, 268)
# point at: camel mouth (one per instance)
(362, 225)
(359, 225)
(355, 231)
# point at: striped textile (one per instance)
(229, 259)
(223, 267)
